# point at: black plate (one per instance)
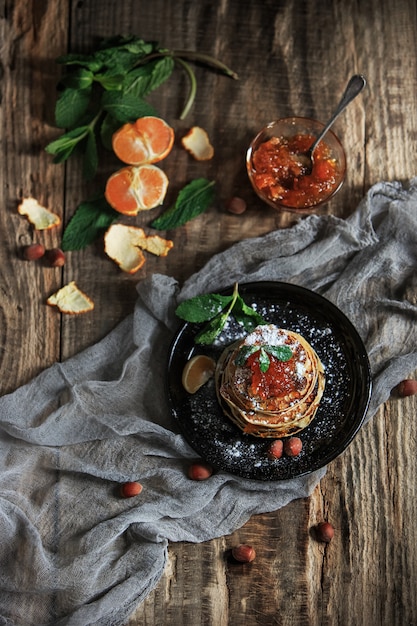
(342, 409)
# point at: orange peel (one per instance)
(136, 188)
(124, 245)
(70, 299)
(38, 215)
(147, 140)
(197, 143)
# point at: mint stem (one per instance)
(207, 59)
(193, 87)
(191, 55)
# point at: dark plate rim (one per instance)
(336, 314)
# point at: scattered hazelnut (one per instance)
(243, 553)
(55, 257)
(406, 388)
(293, 446)
(200, 471)
(236, 205)
(129, 490)
(276, 448)
(324, 531)
(33, 252)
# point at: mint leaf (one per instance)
(212, 329)
(71, 106)
(80, 78)
(110, 82)
(244, 353)
(63, 147)
(108, 126)
(282, 353)
(264, 360)
(115, 53)
(125, 107)
(141, 81)
(87, 61)
(88, 222)
(202, 308)
(246, 315)
(121, 54)
(192, 200)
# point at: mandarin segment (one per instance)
(148, 140)
(197, 371)
(136, 188)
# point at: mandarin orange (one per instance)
(148, 140)
(136, 188)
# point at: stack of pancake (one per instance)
(279, 401)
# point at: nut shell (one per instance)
(199, 471)
(243, 553)
(130, 489)
(324, 531)
(406, 388)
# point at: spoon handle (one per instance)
(354, 87)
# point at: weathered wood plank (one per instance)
(30, 40)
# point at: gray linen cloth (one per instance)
(72, 551)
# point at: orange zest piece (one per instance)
(39, 216)
(124, 245)
(70, 299)
(136, 188)
(148, 140)
(197, 143)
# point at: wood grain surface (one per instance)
(293, 57)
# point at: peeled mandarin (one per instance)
(148, 140)
(136, 188)
(197, 372)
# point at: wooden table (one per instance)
(293, 58)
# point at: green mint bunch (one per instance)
(105, 89)
(215, 309)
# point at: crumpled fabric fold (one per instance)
(72, 551)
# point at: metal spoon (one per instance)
(354, 87)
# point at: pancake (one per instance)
(270, 383)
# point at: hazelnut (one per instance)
(33, 252)
(324, 531)
(243, 553)
(406, 388)
(276, 448)
(293, 446)
(236, 205)
(55, 257)
(131, 489)
(200, 471)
